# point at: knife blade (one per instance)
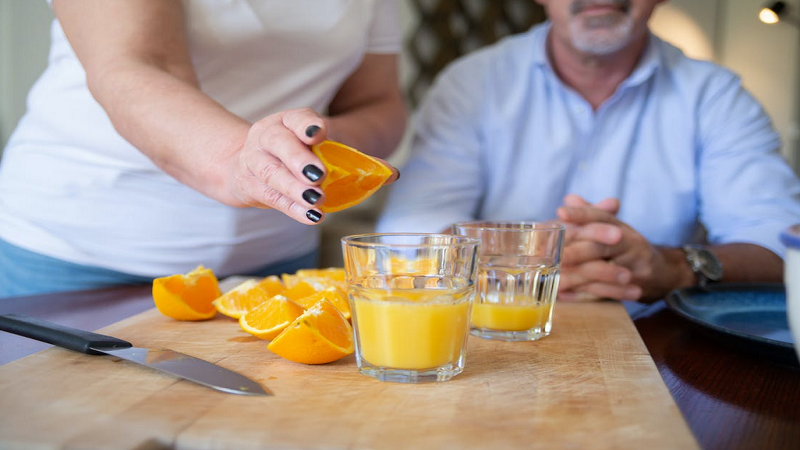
(164, 360)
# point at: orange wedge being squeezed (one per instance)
(189, 296)
(352, 176)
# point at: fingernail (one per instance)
(312, 130)
(312, 172)
(398, 175)
(311, 196)
(313, 215)
(633, 293)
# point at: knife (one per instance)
(169, 361)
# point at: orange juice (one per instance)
(514, 303)
(510, 317)
(411, 328)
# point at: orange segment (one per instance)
(304, 285)
(332, 294)
(189, 296)
(272, 284)
(352, 176)
(332, 273)
(300, 288)
(320, 335)
(247, 296)
(269, 318)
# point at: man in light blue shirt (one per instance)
(591, 119)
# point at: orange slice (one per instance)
(320, 335)
(301, 286)
(247, 296)
(269, 318)
(332, 273)
(297, 288)
(189, 296)
(272, 284)
(352, 176)
(332, 294)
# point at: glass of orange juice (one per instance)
(519, 264)
(410, 298)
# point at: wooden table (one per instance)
(728, 399)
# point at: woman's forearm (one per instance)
(375, 128)
(369, 112)
(171, 121)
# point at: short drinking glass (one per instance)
(410, 296)
(519, 264)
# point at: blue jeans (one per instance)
(23, 272)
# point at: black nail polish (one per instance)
(312, 130)
(312, 172)
(311, 196)
(313, 215)
(398, 176)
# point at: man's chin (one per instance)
(598, 40)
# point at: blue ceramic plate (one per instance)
(751, 317)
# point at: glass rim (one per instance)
(456, 240)
(505, 225)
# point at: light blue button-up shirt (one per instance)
(680, 143)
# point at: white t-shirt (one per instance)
(74, 189)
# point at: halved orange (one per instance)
(320, 335)
(271, 317)
(247, 295)
(332, 294)
(189, 296)
(352, 176)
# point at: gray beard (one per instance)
(601, 35)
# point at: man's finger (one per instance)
(575, 200)
(580, 252)
(581, 215)
(608, 204)
(600, 232)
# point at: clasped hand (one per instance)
(603, 257)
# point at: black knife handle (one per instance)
(52, 333)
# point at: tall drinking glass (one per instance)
(519, 267)
(410, 297)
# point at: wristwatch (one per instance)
(704, 263)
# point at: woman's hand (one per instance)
(274, 168)
(141, 73)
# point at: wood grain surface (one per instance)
(732, 398)
(591, 384)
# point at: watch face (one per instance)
(709, 265)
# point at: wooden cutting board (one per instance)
(590, 384)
